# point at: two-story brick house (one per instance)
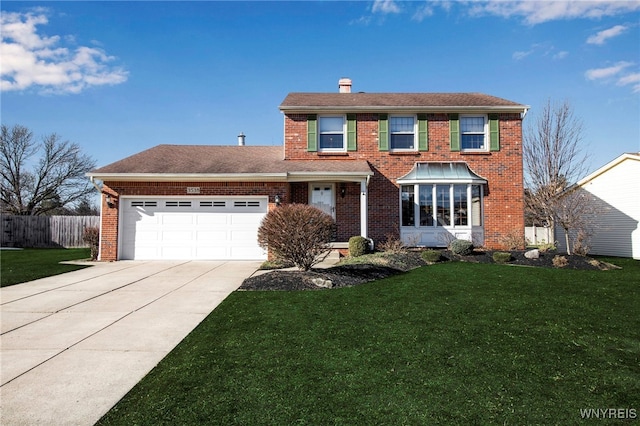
(424, 167)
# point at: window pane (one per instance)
(460, 205)
(443, 208)
(401, 124)
(329, 141)
(476, 205)
(331, 124)
(408, 203)
(472, 124)
(473, 141)
(402, 141)
(426, 205)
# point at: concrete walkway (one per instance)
(74, 344)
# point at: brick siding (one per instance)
(504, 193)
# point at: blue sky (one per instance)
(120, 77)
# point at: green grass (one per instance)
(18, 266)
(452, 343)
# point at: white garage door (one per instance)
(192, 228)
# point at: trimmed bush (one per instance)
(501, 257)
(91, 236)
(358, 246)
(461, 247)
(560, 261)
(297, 233)
(431, 256)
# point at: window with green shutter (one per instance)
(454, 132)
(352, 133)
(494, 132)
(383, 132)
(312, 133)
(423, 133)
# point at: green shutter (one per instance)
(494, 132)
(352, 134)
(312, 133)
(423, 133)
(383, 132)
(454, 132)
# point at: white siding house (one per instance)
(616, 190)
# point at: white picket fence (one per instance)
(45, 231)
(538, 235)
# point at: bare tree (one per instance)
(55, 180)
(554, 158)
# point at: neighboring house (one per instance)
(615, 190)
(423, 167)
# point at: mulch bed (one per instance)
(355, 274)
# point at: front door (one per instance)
(322, 197)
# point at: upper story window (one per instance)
(402, 132)
(473, 133)
(331, 131)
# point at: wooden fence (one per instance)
(45, 231)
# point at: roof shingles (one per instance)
(220, 160)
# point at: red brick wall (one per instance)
(503, 202)
(109, 234)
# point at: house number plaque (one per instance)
(193, 189)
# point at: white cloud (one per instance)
(561, 55)
(607, 72)
(385, 7)
(602, 36)
(537, 12)
(33, 60)
(519, 55)
(631, 79)
(618, 73)
(422, 12)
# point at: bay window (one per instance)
(455, 205)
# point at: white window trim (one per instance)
(487, 142)
(451, 226)
(344, 133)
(415, 133)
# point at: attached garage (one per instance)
(174, 228)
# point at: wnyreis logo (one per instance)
(609, 413)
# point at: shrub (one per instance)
(501, 257)
(461, 247)
(581, 245)
(358, 246)
(559, 261)
(392, 244)
(297, 233)
(91, 236)
(513, 240)
(431, 255)
(545, 247)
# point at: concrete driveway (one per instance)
(74, 344)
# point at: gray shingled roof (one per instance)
(220, 160)
(378, 101)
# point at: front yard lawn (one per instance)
(451, 343)
(19, 266)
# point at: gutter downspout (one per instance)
(93, 182)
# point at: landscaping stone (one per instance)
(532, 254)
(321, 282)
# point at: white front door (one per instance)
(322, 197)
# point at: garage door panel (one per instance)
(199, 228)
(204, 236)
(215, 219)
(177, 219)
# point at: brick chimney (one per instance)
(344, 84)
